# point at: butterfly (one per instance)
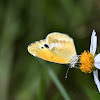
(56, 47)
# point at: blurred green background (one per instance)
(24, 77)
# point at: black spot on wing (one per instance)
(46, 45)
(42, 47)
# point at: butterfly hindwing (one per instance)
(61, 44)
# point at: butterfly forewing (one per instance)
(41, 49)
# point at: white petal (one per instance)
(96, 73)
(96, 80)
(97, 66)
(97, 58)
(93, 45)
(97, 61)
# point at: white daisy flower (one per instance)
(90, 62)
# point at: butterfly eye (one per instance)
(46, 45)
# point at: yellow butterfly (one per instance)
(57, 48)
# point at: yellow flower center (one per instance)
(87, 62)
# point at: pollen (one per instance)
(87, 62)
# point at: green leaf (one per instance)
(56, 81)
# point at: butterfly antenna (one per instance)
(67, 72)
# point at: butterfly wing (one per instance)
(41, 49)
(62, 45)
